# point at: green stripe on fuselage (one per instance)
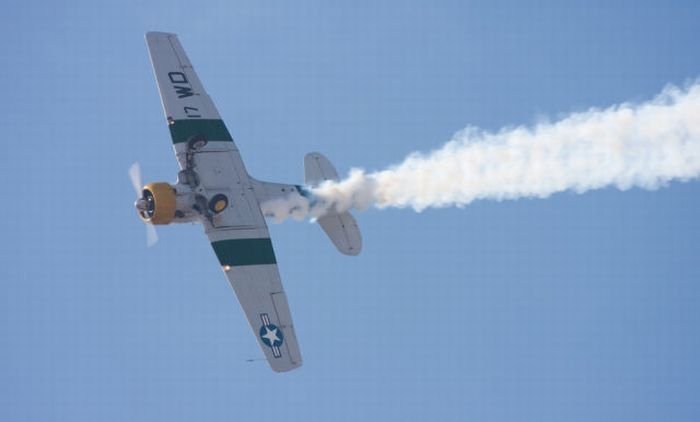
(210, 129)
(238, 252)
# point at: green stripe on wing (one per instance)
(239, 252)
(210, 129)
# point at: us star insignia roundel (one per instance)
(271, 335)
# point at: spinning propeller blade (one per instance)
(135, 176)
(151, 235)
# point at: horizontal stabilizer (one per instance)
(343, 231)
(317, 169)
(340, 227)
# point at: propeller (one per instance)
(135, 176)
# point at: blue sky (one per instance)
(575, 307)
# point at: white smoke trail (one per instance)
(628, 145)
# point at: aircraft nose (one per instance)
(141, 204)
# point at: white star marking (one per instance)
(271, 335)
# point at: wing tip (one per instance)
(286, 368)
(159, 34)
(352, 251)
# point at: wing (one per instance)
(188, 109)
(238, 233)
(181, 91)
(251, 268)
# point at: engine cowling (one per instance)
(158, 203)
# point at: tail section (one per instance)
(317, 169)
(340, 227)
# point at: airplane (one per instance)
(214, 188)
